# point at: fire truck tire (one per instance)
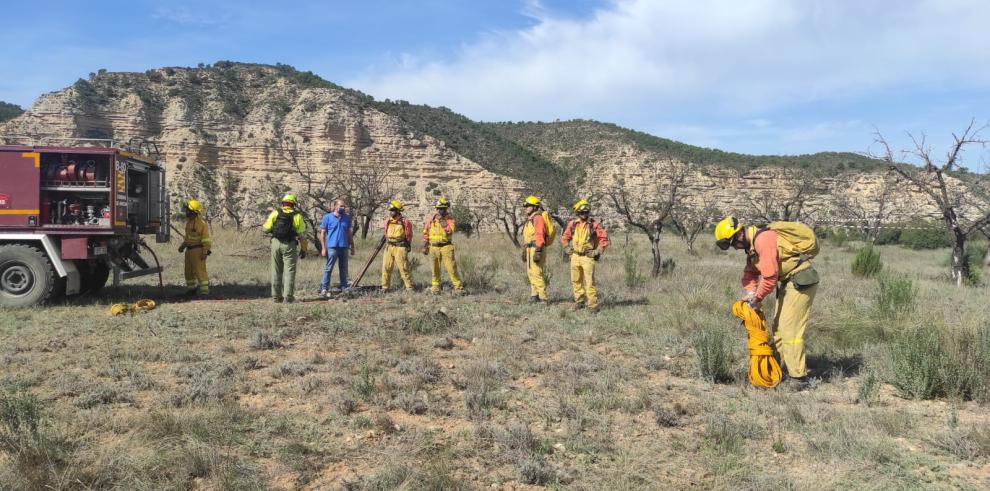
(27, 277)
(94, 275)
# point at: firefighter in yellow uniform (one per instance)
(585, 240)
(196, 246)
(287, 229)
(437, 244)
(534, 241)
(398, 240)
(778, 259)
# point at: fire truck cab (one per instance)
(69, 216)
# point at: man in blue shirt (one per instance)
(335, 239)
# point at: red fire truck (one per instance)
(69, 216)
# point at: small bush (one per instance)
(711, 345)
(665, 417)
(667, 267)
(894, 295)
(869, 389)
(924, 363)
(633, 277)
(972, 444)
(723, 433)
(478, 276)
(264, 340)
(867, 263)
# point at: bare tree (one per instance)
(647, 210)
(315, 197)
(791, 202)
(506, 206)
(868, 216)
(233, 197)
(366, 189)
(690, 221)
(950, 198)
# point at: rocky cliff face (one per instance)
(229, 116)
(256, 119)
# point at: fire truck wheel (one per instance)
(94, 276)
(27, 277)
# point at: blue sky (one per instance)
(760, 76)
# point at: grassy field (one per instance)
(413, 391)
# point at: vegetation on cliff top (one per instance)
(578, 134)
(9, 111)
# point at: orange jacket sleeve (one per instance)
(762, 276)
(541, 231)
(568, 233)
(603, 241)
(450, 227)
(426, 229)
(407, 228)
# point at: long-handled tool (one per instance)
(378, 248)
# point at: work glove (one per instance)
(537, 255)
(565, 255)
(302, 254)
(204, 254)
(752, 301)
(352, 251)
(182, 248)
(597, 255)
(523, 255)
(426, 249)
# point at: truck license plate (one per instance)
(99, 250)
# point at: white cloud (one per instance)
(705, 57)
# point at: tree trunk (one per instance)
(655, 249)
(960, 267)
(367, 225)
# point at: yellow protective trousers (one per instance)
(583, 280)
(196, 277)
(444, 255)
(764, 370)
(534, 271)
(791, 320)
(396, 255)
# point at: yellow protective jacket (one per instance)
(438, 230)
(398, 231)
(584, 236)
(197, 234)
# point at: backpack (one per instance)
(283, 228)
(550, 226)
(798, 239)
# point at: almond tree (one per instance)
(962, 216)
(648, 210)
(791, 202)
(691, 221)
(507, 212)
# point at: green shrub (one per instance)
(714, 352)
(889, 236)
(917, 358)
(973, 257)
(894, 295)
(633, 278)
(867, 263)
(479, 276)
(925, 362)
(925, 235)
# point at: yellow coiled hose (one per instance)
(764, 370)
(132, 308)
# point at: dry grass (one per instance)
(416, 391)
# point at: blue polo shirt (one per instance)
(337, 228)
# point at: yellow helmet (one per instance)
(194, 206)
(581, 206)
(533, 201)
(442, 203)
(289, 198)
(395, 205)
(725, 230)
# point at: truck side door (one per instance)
(20, 188)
